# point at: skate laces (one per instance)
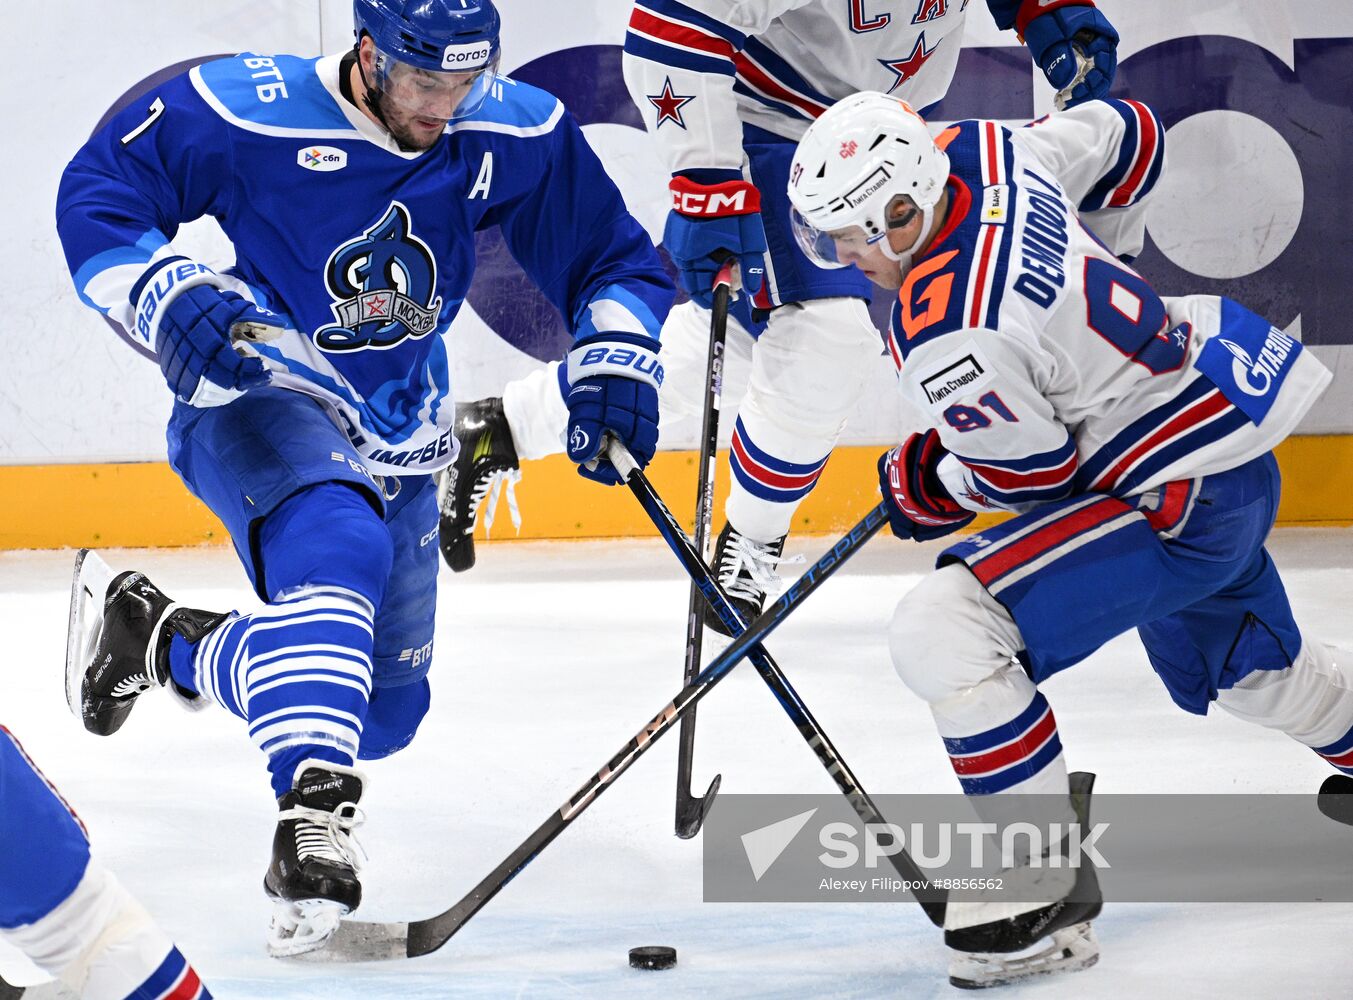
(747, 567)
(328, 836)
(496, 482)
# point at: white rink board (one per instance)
(70, 391)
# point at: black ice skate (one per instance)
(117, 647)
(313, 876)
(1012, 946)
(746, 571)
(487, 458)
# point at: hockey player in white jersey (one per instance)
(66, 911)
(351, 188)
(725, 88)
(1130, 435)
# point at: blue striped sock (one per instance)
(299, 672)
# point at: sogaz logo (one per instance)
(471, 55)
(322, 158)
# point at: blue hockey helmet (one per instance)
(426, 45)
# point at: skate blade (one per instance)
(1068, 950)
(302, 926)
(89, 587)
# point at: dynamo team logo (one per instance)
(384, 283)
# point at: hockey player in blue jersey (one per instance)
(64, 910)
(1130, 435)
(312, 380)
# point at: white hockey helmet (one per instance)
(851, 167)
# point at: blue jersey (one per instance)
(43, 845)
(364, 251)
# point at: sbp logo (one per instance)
(322, 159)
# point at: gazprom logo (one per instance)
(472, 55)
(322, 158)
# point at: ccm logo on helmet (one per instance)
(470, 56)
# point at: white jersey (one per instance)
(700, 68)
(1048, 365)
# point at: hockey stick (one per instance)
(691, 809)
(52, 990)
(365, 941)
(932, 899)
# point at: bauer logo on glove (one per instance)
(606, 359)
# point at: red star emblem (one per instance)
(911, 65)
(668, 104)
(978, 498)
(376, 305)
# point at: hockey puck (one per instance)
(652, 956)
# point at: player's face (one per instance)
(877, 266)
(417, 103)
(425, 101)
(903, 237)
(881, 262)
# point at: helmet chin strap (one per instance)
(903, 257)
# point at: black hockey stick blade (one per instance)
(52, 990)
(1336, 798)
(692, 810)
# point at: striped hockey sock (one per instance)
(1339, 753)
(299, 672)
(1022, 755)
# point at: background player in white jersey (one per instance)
(725, 88)
(1130, 435)
(64, 910)
(351, 187)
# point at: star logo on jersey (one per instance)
(905, 69)
(669, 104)
(385, 284)
(977, 498)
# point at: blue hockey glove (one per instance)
(183, 314)
(613, 387)
(918, 505)
(710, 222)
(1051, 38)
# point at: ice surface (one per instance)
(549, 657)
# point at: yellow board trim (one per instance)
(143, 504)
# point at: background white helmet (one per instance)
(852, 165)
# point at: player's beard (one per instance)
(400, 129)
